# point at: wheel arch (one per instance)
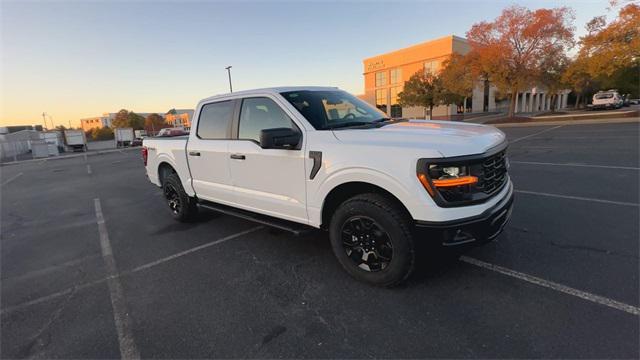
(165, 169)
(347, 190)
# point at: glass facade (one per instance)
(396, 109)
(396, 76)
(381, 78)
(430, 67)
(381, 99)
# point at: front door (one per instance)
(208, 152)
(268, 181)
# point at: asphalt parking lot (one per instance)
(93, 266)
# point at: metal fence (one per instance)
(15, 150)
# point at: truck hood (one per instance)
(446, 137)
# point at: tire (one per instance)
(375, 228)
(182, 207)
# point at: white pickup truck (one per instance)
(317, 157)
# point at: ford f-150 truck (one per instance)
(318, 157)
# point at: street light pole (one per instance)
(229, 72)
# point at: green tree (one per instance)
(423, 89)
(457, 78)
(609, 48)
(121, 120)
(153, 123)
(172, 112)
(105, 133)
(135, 121)
(515, 49)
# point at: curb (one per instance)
(570, 122)
(63, 157)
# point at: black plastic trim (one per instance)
(472, 219)
(317, 162)
(286, 225)
(475, 230)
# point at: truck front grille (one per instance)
(493, 173)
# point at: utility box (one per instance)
(39, 149)
(76, 140)
(123, 136)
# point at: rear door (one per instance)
(268, 181)
(208, 152)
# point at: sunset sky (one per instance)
(79, 59)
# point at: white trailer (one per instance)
(75, 139)
(123, 136)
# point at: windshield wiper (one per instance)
(348, 124)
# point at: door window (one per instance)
(258, 114)
(214, 120)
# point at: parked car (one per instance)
(169, 132)
(609, 99)
(300, 158)
(136, 142)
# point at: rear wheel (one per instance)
(371, 237)
(183, 208)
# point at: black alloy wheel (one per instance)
(366, 243)
(173, 198)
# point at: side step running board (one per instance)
(290, 226)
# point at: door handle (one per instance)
(238, 156)
(194, 153)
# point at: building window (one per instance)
(396, 109)
(381, 78)
(430, 67)
(381, 99)
(396, 76)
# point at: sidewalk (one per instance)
(570, 122)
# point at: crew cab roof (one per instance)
(271, 90)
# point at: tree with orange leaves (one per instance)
(515, 49)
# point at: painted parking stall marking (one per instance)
(575, 165)
(570, 197)
(535, 134)
(554, 286)
(128, 348)
(127, 272)
(11, 179)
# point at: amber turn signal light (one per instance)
(463, 180)
(425, 182)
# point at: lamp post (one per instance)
(229, 73)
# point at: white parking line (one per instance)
(197, 248)
(88, 169)
(139, 268)
(578, 198)
(554, 286)
(535, 134)
(128, 348)
(11, 179)
(574, 165)
(49, 269)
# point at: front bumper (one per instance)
(474, 230)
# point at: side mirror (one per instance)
(279, 138)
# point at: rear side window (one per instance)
(258, 114)
(214, 120)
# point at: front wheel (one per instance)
(372, 239)
(183, 208)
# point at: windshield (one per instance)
(604, 96)
(333, 109)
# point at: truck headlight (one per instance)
(450, 176)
